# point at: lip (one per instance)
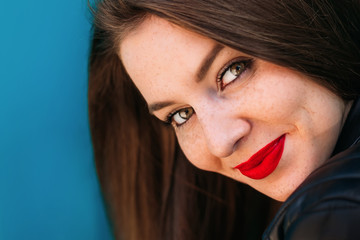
(264, 161)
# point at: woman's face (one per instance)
(229, 108)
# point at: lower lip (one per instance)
(265, 161)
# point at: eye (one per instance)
(181, 116)
(231, 72)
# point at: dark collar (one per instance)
(350, 134)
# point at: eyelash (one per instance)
(169, 118)
(219, 81)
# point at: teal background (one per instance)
(48, 184)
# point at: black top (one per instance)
(326, 205)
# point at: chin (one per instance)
(280, 197)
(279, 191)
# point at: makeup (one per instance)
(265, 161)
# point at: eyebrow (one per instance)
(200, 75)
(159, 105)
(207, 62)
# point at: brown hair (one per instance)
(153, 193)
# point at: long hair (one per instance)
(151, 190)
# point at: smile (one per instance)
(265, 161)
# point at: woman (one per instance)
(263, 92)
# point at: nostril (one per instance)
(236, 145)
(220, 149)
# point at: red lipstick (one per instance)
(264, 161)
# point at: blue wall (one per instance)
(48, 184)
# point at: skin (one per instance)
(232, 123)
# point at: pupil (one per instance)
(236, 69)
(185, 113)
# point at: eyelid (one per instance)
(247, 60)
(169, 117)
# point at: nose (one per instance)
(222, 128)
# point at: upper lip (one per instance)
(264, 161)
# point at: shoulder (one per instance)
(326, 205)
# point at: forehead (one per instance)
(156, 32)
(158, 52)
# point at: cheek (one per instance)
(275, 95)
